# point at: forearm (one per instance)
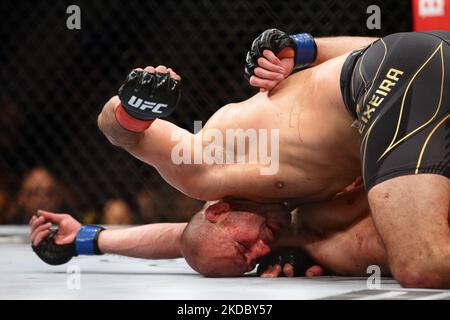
(347, 252)
(153, 241)
(332, 47)
(153, 146)
(336, 214)
(163, 145)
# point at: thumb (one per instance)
(51, 217)
(286, 53)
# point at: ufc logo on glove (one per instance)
(144, 105)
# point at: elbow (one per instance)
(196, 191)
(200, 185)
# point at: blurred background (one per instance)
(54, 82)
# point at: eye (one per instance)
(271, 232)
(242, 246)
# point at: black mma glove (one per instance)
(145, 96)
(85, 243)
(52, 253)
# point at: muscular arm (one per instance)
(153, 241)
(271, 69)
(332, 47)
(339, 235)
(337, 214)
(155, 146)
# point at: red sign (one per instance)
(431, 14)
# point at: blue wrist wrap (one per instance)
(306, 49)
(86, 240)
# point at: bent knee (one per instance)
(420, 275)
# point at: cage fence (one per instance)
(54, 82)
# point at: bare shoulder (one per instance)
(329, 71)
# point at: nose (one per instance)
(258, 250)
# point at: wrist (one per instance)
(305, 49)
(129, 122)
(86, 241)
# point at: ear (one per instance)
(217, 211)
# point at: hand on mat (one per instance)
(287, 270)
(288, 262)
(43, 221)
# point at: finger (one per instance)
(288, 270)
(138, 69)
(161, 69)
(267, 273)
(36, 223)
(266, 64)
(286, 53)
(276, 271)
(40, 229)
(269, 75)
(269, 55)
(267, 270)
(315, 271)
(40, 236)
(272, 272)
(173, 74)
(32, 220)
(55, 218)
(262, 83)
(150, 69)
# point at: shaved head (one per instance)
(227, 238)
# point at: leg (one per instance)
(411, 214)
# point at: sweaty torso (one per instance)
(318, 152)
